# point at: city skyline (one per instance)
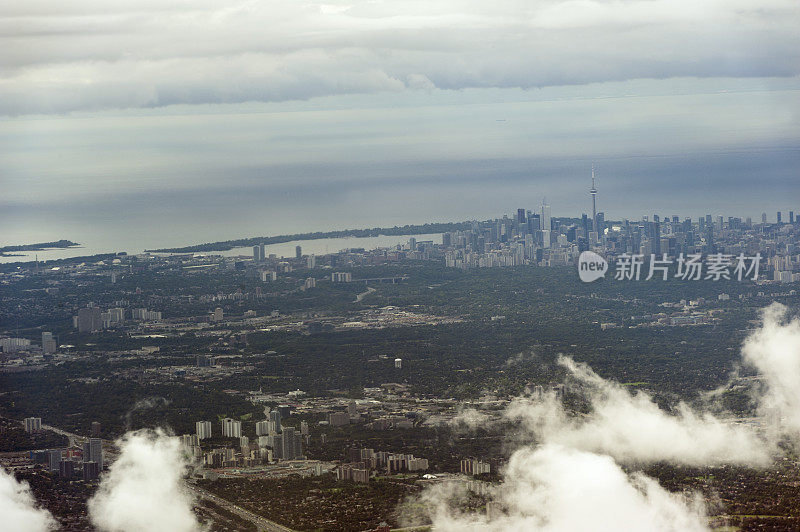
(156, 136)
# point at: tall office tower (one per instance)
(275, 417)
(312, 261)
(791, 217)
(33, 424)
(534, 224)
(778, 217)
(66, 469)
(90, 470)
(262, 428)
(288, 443)
(521, 219)
(93, 451)
(257, 253)
(709, 222)
(601, 222)
(749, 222)
(304, 429)
(48, 343)
(763, 217)
(298, 252)
(720, 223)
(277, 445)
(298, 445)
(203, 429)
(654, 235)
(54, 457)
(263, 251)
(593, 192)
(545, 221)
(97, 428)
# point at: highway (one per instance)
(260, 522)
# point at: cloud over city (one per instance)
(572, 477)
(143, 489)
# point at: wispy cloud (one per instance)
(632, 427)
(571, 480)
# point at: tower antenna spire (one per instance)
(593, 192)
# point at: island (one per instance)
(9, 251)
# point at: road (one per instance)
(260, 522)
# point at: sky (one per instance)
(169, 122)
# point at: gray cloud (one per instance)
(86, 55)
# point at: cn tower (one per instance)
(593, 192)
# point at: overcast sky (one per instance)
(122, 104)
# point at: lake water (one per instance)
(319, 246)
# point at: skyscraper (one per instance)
(93, 451)
(298, 252)
(545, 221)
(54, 457)
(275, 417)
(593, 192)
(48, 343)
(288, 443)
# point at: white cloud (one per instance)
(18, 511)
(130, 54)
(554, 488)
(143, 490)
(632, 428)
(774, 350)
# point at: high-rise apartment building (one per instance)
(203, 429)
(33, 424)
(231, 428)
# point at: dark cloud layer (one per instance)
(87, 55)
